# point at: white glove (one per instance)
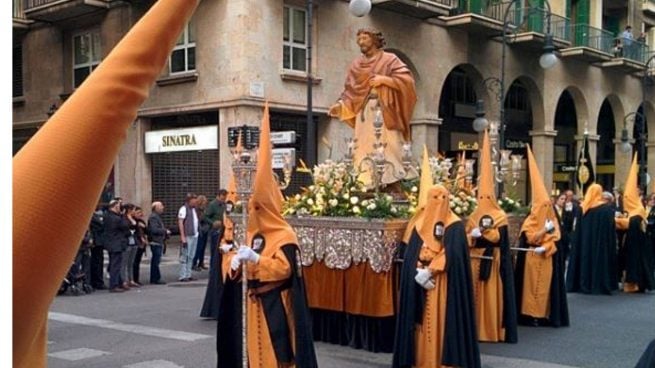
(540, 250)
(226, 248)
(476, 233)
(247, 254)
(423, 277)
(549, 226)
(235, 262)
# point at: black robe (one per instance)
(460, 342)
(226, 301)
(638, 257)
(559, 309)
(506, 276)
(214, 290)
(593, 260)
(276, 319)
(647, 359)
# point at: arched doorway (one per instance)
(566, 124)
(518, 123)
(605, 151)
(457, 109)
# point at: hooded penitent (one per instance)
(538, 276)
(631, 200)
(265, 205)
(542, 207)
(493, 279)
(436, 327)
(487, 203)
(593, 198)
(93, 123)
(424, 185)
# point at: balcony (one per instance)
(648, 7)
(590, 44)
(630, 58)
(488, 20)
(57, 11)
(20, 24)
(422, 9)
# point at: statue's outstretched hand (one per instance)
(335, 110)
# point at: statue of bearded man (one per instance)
(377, 80)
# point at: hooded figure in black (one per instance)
(636, 249)
(436, 317)
(592, 265)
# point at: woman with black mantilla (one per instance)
(436, 317)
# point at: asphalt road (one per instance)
(158, 326)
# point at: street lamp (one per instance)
(359, 8)
(547, 60)
(626, 147)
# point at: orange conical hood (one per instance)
(592, 198)
(631, 200)
(265, 206)
(424, 186)
(542, 207)
(437, 209)
(487, 203)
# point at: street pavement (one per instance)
(157, 326)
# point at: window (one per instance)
(86, 55)
(294, 40)
(17, 71)
(183, 57)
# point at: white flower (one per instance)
(310, 202)
(414, 189)
(356, 210)
(354, 200)
(365, 202)
(393, 209)
(388, 198)
(311, 187)
(510, 201)
(458, 210)
(371, 206)
(346, 196)
(333, 202)
(297, 197)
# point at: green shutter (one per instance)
(581, 22)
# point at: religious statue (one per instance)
(377, 80)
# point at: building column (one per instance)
(543, 149)
(425, 132)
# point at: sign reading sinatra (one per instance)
(186, 139)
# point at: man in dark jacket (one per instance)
(115, 240)
(97, 251)
(157, 235)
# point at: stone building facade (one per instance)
(236, 54)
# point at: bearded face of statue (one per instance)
(366, 43)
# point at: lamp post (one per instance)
(546, 61)
(626, 147)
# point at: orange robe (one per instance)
(537, 276)
(66, 164)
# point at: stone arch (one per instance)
(619, 112)
(535, 98)
(581, 108)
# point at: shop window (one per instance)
(86, 55)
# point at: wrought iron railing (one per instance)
(18, 9)
(584, 35)
(29, 4)
(448, 3)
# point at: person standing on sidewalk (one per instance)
(157, 234)
(141, 243)
(188, 223)
(116, 233)
(203, 233)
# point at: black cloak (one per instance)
(506, 276)
(638, 257)
(276, 318)
(593, 260)
(460, 343)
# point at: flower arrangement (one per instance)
(510, 205)
(462, 198)
(337, 192)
